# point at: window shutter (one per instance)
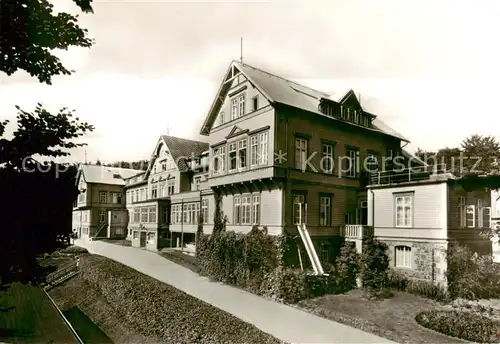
(470, 216)
(486, 217)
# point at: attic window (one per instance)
(117, 176)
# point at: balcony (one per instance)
(407, 175)
(356, 232)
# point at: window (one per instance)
(164, 166)
(165, 215)
(461, 211)
(237, 210)
(102, 216)
(325, 210)
(254, 150)
(103, 197)
(241, 105)
(221, 118)
(137, 215)
(238, 106)
(144, 215)
(154, 190)
(371, 163)
(351, 166)
(136, 235)
(197, 181)
(300, 153)
(136, 196)
(242, 153)
(263, 148)
(143, 194)
(402, 257)
(403, 210)
(222, 158)
(128, 197)
(162, 189)
(204, 210)
(232, 157)
(234, 108)
(470, 216)
(255, 103)
(152, 215)
(216, 161)
(299, 209)
(486, 217)
(327, 158)
(173, 213)
(255, 209)
(151, 237)
(245, 210)
(171, 187)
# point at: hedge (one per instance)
(463, 325)
(158, 309)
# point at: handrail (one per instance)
(101, 226)
(311, 251)
(407, 174)
(64, 318)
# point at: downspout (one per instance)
(373, 211)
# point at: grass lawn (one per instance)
(86, 329)
(28, 316)
(392, 318)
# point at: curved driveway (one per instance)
(281, 321)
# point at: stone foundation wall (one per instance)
(428, 259)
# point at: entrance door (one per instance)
(143, 239)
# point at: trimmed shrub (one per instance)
(374, 265)
(347, 267)
(471, 276)
(423, 288)
(157, 309)
(463, 325)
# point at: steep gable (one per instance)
(177, 149)
(280, 90)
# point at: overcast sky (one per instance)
(429, 69)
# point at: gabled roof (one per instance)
(280, 90)
(180, 149)
(105, 175)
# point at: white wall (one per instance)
(429, 211)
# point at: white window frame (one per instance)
(237, 210)
(372, 160)
(254, 150)
(351, 160)
(242, 160)
(103, 197)
(402, 257)
(246, 212)
(233, 148)
(204, 209)
(197, 182)
(222, 159)
(470, 210)
(325, 207)
(255, 209)
(300, 152)
(299, 208)
(221, 118)
(327, 150)
(461, 212)
(402, 202)
(241, 104)
(263, 148)
(102, 216)
(488, 223)
(255, 103)
(234, 108)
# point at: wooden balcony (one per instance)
(356, 232)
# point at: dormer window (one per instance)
(116, 176)
(255, 103)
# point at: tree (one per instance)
(36, 198)
(30, 31)
(481, 152)
(448, 158)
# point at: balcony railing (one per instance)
(406, 175)
(356, 231)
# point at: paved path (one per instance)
(281, 321)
